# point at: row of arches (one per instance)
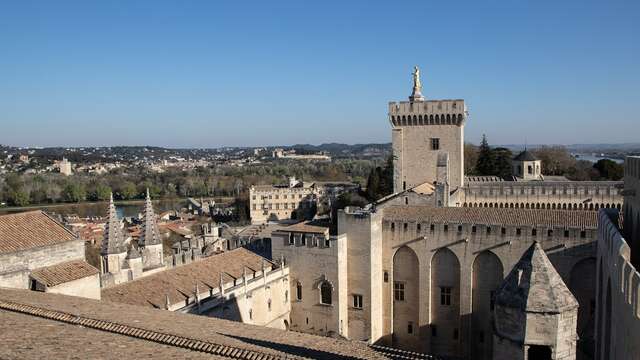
(547, 206)
(439, 119)
(445, 329)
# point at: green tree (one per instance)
(128, 191)
(486, 163)
(501, 162)
(609, 169)
(103, 192)
(74, 192)
(18, 197)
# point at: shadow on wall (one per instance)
(229, 310)
(577, 266)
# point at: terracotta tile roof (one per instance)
(494, 216)
(63, 272)
(305, 227)
(38, 338)
(180, 281)
(31, 229)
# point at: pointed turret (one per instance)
(535, 312)
(150, 233)
(113, 243)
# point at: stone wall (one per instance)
(15, 267)
(88, 287)
(263, 300)
(311, 264)
(461, 248)
(618, 293)
(570, 195)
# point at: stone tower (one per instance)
(113, 251)
(150, 241)
(535, 314)
(421, 130)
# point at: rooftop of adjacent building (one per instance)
(179, 283)
(31, 229)
(63, 272)
(311, 227)
(46, 325)
(494, 216)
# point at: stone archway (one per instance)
(406, 299)
(487, 276)
(445, 303)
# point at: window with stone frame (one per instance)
(398, 291)
(435, 144)
(325, 293)
(357, 301)
(445, 295)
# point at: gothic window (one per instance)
(269, 304)
(435, 144)
(529, 169)
(432, 227)
(398, 291)
(299, 290)
(488, 230)
(459, 228)
(583, 234)
(393, 226)
(303, 240)
(405, 226)
(325, 293)
(250, 314)
(410, 327)
(446, 228)
(518, 232)
(445, 295)
(386, 276)
(534, 232)
(292, 240)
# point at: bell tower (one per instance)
(421, 131)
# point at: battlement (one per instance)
(429, 112)
(615, 256)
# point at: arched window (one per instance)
(325, 293)
(299, 291)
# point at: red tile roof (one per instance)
(63, 272)
(26, 230)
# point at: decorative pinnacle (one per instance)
(416, 94)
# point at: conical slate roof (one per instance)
(525, 156)
(113, 242)
(534, 285)
(150, 233)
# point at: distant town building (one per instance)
(295, 200)
(291, 154)
(65, 167)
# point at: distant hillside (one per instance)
(341, 150)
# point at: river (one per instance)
(124, 209)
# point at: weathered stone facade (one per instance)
(618, 280)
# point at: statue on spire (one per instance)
(416, 94)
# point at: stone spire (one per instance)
(534, 285)
(416, 94)
(535, 314)
(113, 242)
(150, 234)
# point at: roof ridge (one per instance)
(163, 338)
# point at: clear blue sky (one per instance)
(249, 73)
